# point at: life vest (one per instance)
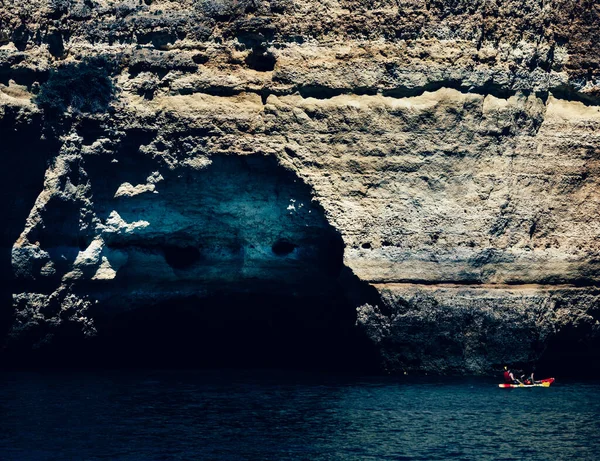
(507, 377)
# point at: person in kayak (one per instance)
(509, 378)
(530, 380)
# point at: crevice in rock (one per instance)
(569, 93)
(260, 59)
(21, 36)
(264, 95)
(55, 44)
(90, 130)
(491, 89)
(283, 247)
(582, 282)
(22, 76)
(161, 68)
(223, 91)
(159, 39)
(181, 257)
(323, 92)
(415, 281)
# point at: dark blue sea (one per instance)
(267, 415)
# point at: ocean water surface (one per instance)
(268, 415)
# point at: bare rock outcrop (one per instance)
(412, 185)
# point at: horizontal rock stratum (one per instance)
(399, 186)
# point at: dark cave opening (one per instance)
(232, 330)
(261, 329)
(261, 60)
(573, 352)
(181, 257)
(240, 269)
(283, 247)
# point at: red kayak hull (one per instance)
(541, 383)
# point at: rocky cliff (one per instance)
(402, 186)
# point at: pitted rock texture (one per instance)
(414, 183)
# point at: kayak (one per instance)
(543, 383)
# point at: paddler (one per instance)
(509, 378)
(530, 379)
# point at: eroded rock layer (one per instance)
(402, 186)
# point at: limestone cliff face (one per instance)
(412, 185)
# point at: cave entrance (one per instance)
(238, 267)
(235, 330)
(573, 352)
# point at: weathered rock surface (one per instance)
(414, 184)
